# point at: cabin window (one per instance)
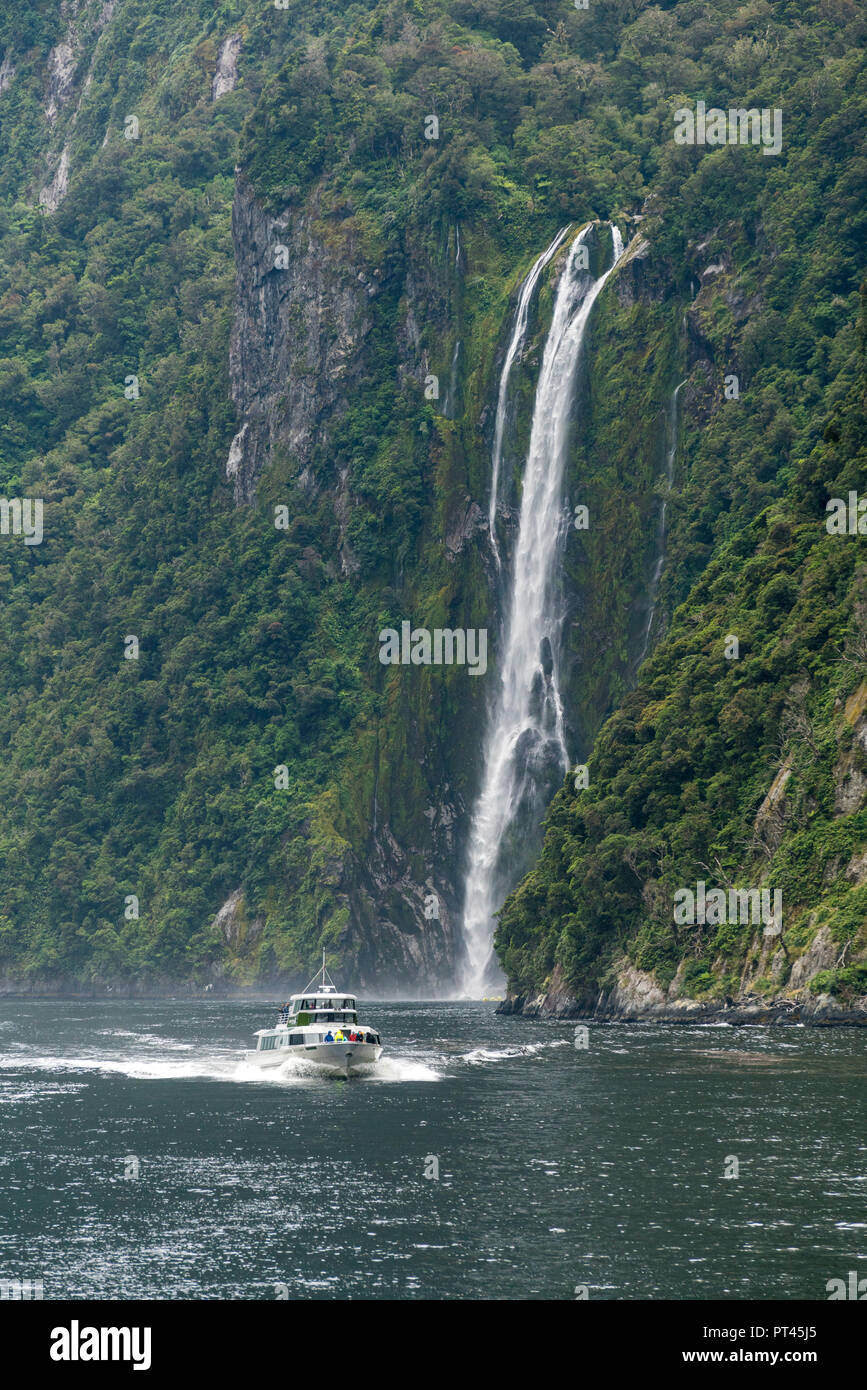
(295, 1038)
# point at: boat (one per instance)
(319, 1025)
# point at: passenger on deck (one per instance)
(329, 1036)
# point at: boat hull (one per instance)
(341, 1058)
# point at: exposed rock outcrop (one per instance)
(7, 72)
(636, 996)
(226, 73)
(62, 62)
(770, 818)
(850, 774)
(412, 925)
(53, 193)
(300, 324)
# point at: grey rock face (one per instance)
(53, 193)
(306, 299)
(64, 62)
(226, 74)
(301, 319)
(405, 933)
(637, 997)
(850, 778)
(7, 72)
(61, 75)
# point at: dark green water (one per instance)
(557, 1167)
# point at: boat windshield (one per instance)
(307, 1003)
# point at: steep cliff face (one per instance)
(68, 76)
(313, 298)
(305, 354)
(738, 762)
(256, 783)
(298, 339)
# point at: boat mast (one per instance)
(322, 979)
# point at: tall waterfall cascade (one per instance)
(513, 352)
(525, 753)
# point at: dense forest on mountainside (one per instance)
(165, 386)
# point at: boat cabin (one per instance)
(323, 1005)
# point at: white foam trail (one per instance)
(525, 741)
(516, 345)
(219, 1067)
(401, 1069)
(141, 1068)
(481, 1055)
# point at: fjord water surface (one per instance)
(558, 1166)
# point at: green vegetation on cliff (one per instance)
(736, 772)
(752, 770)
(155, 777)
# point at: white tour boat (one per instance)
(319, 1025)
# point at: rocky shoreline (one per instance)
(638, 998)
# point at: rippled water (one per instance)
(558, 1166)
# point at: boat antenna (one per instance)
(321, 978)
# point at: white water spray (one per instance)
(516, 345)
(525, 745)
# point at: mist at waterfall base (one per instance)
(556, 1166)
(525, 755)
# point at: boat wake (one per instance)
(479, 1056)
(216, 1067)
(297, 1071)
(220, 1068)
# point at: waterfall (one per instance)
(525, 746)
(451, 391)
(516, 344)
(653, 586)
